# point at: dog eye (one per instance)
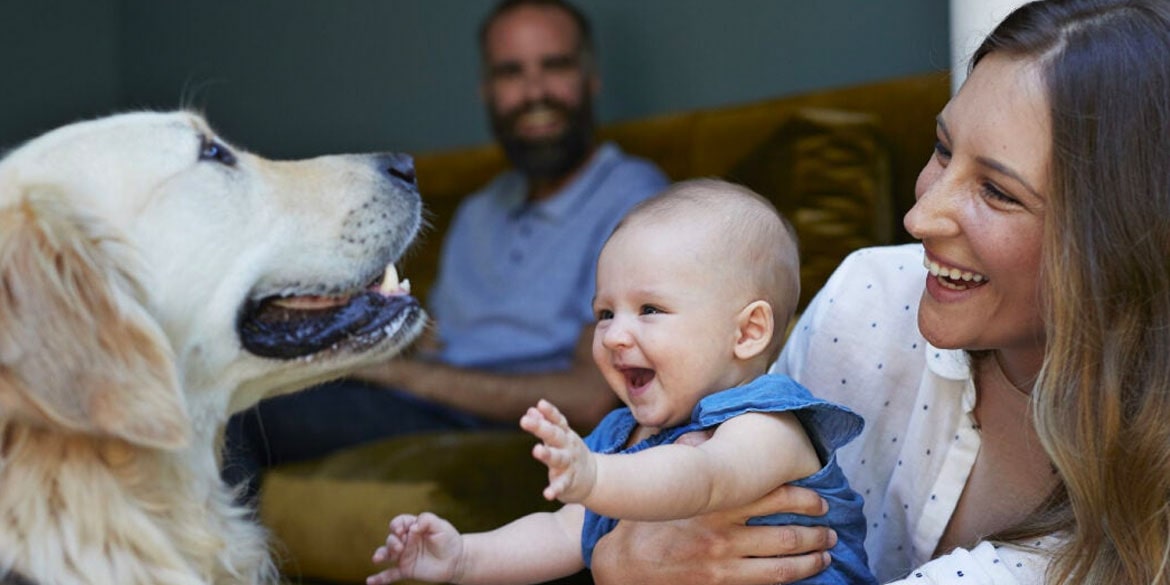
(211, 149)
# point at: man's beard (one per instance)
(552, 157)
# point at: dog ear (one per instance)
(78, 349)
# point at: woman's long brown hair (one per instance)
(1102, 403)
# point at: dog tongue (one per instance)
(268, 330)
(311, 302)
(390, 286)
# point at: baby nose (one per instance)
(617, 335)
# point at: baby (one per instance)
(694, 290)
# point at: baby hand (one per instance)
(572, 469)
(424, 547)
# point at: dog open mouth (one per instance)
(288, 327)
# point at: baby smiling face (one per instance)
(666, 308)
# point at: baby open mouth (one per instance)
(638, 377)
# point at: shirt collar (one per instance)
(572, 195)
(952, 364)
(955, 365)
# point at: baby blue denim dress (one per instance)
(829, 426)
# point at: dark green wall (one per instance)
(58, 62)
(298, 77)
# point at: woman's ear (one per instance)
(756, 325)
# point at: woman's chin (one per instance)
(943, 331)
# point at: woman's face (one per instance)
(980, 210)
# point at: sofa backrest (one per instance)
(840, 163)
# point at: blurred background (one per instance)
(294, 78)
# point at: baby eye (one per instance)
(211, 149)
(604, 314)
(650, 310)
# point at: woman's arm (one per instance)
(718, 548)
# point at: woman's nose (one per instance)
(934, 211)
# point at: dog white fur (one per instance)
(134, 250)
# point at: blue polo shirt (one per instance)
(516, 278)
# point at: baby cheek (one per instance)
(600, 354)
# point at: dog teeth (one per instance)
(390, 283)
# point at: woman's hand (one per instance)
(718, 548)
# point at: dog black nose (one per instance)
(400, 167)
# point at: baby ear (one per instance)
(756, 325)
(78, 350)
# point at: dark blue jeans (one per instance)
(323, 419)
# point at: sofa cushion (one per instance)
(327, 516)
(828, 172)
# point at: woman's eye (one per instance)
(214, 151)
(992, 192)
(941, 151)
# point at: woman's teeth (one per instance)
(953, 278)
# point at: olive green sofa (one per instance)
(840, 163)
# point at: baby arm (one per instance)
(532, 549)
(746, 457)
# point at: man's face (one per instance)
(539, 90)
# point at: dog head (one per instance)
(152, 274)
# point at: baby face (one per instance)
(666, 308)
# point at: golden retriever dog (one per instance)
(153, 280)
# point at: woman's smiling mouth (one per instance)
(953, 278)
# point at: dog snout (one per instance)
(400, 168)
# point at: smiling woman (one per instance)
(980, 211)
(1016, 421)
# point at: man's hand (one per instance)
(719, 548)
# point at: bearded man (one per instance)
(512, 310)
